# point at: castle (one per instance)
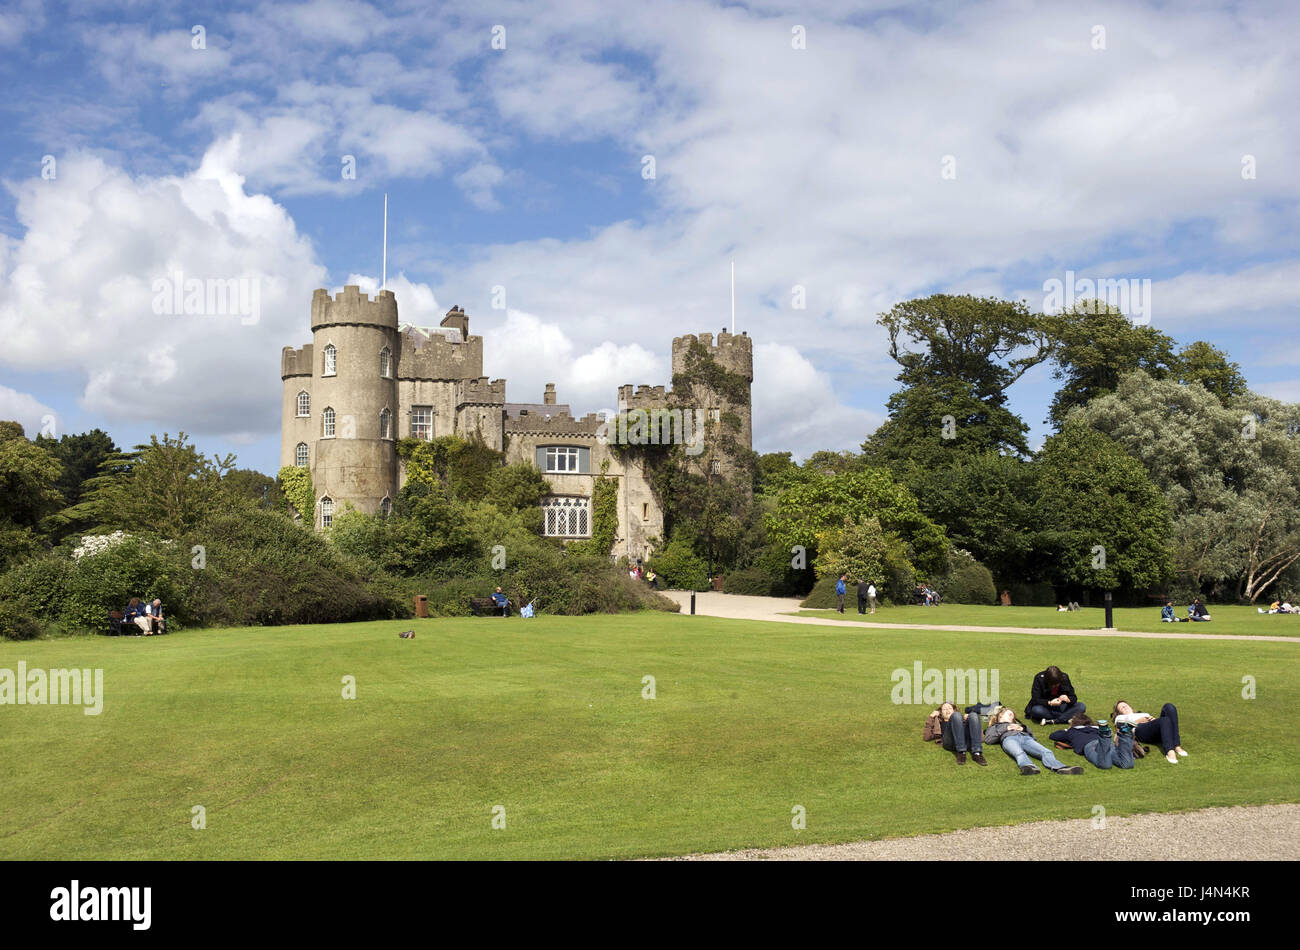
(366, 380)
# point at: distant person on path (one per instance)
(841, 588)
(955, 734)
(871, 596)
(1052, 698)
(1092, 740)
(1147, 728)
(862, 596)
(652, 579)
(1018, 742)
(502, 601)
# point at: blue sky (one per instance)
(975, 147)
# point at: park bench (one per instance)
(483, 606)
(115, 623)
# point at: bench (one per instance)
(485, 606)
(115, 623)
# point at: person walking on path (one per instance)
(841, 588)
(862, 596)
(871, 596)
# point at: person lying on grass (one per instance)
(1092, 740)
(1147, 728)
(955, 734)
(1019, 743)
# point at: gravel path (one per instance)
(742, 607)
(1242, 833)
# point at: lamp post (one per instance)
(1110, 619)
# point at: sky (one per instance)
(579, 176)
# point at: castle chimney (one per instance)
(456, 318)
(548, 398)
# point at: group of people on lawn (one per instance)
(1196, 613)
(1053, 702)
(147, 616)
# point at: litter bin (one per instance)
(421, 605)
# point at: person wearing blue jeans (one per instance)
(1092, 740)
(956, 734)
(1018, 742)
(1147, 728)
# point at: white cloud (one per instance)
(796, 408)
(30, 412)
(78, 293)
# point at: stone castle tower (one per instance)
(366, 380)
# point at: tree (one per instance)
(81, 455)
(936, 424)
(1208, 365)
(1231, 476)
(1105, 522)
(855, 549)
(1093, 346)
(249, 485)
(987, 342)
(29, 476)
(816, 502)
(163, 489)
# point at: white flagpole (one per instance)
(733, 298)
(384, 278)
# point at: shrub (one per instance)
(37, 587)
(679, 567)
(18, 625)
(752, 580)
(967, 581)
(1040, 594)
(97, 583)
(822, 596)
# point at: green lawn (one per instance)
(1232, 619)
(546, 718)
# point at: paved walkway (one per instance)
(1241, 833)
(742, 607)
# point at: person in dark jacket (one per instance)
(1052, 698)
(1018, 742)
(955, 734)
(862, 596)
(1092, 740)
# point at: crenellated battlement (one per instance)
(735, 352)
(561, 424)
(296, 362)
(436, 357)
(481, 391)
(351, 306)
(641, 396)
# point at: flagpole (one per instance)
(733, 298)
(384, 278)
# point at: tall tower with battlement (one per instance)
(724, 397)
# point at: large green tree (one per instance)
(29, 494)
(1094, 344)
(1203, 363)
(1231, 475)
(1105, 524)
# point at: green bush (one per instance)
(98, 583)
(967, 581)
(18, 625)
(823, 597)
(752, 580)
(1040, 594)
(37, 587)
(679, 567)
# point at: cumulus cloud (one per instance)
(24, 408)
(87, 291)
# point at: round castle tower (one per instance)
(351, 369)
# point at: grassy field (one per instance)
(1234, 619)
(547, 719)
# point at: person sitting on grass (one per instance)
(135, 614)
(1196, 611)
(955, 734)
(1052, 698)
(502, 601)
(1093, 741)
(1167, 613)
(1019, 743)
(1147, 728)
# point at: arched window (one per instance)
(304, 404)
(386, 506)
(385, 424)
(327, 423)
(386, 362)
(331, 359)
(326, 511)
(300, 455)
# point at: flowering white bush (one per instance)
(93, 544)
